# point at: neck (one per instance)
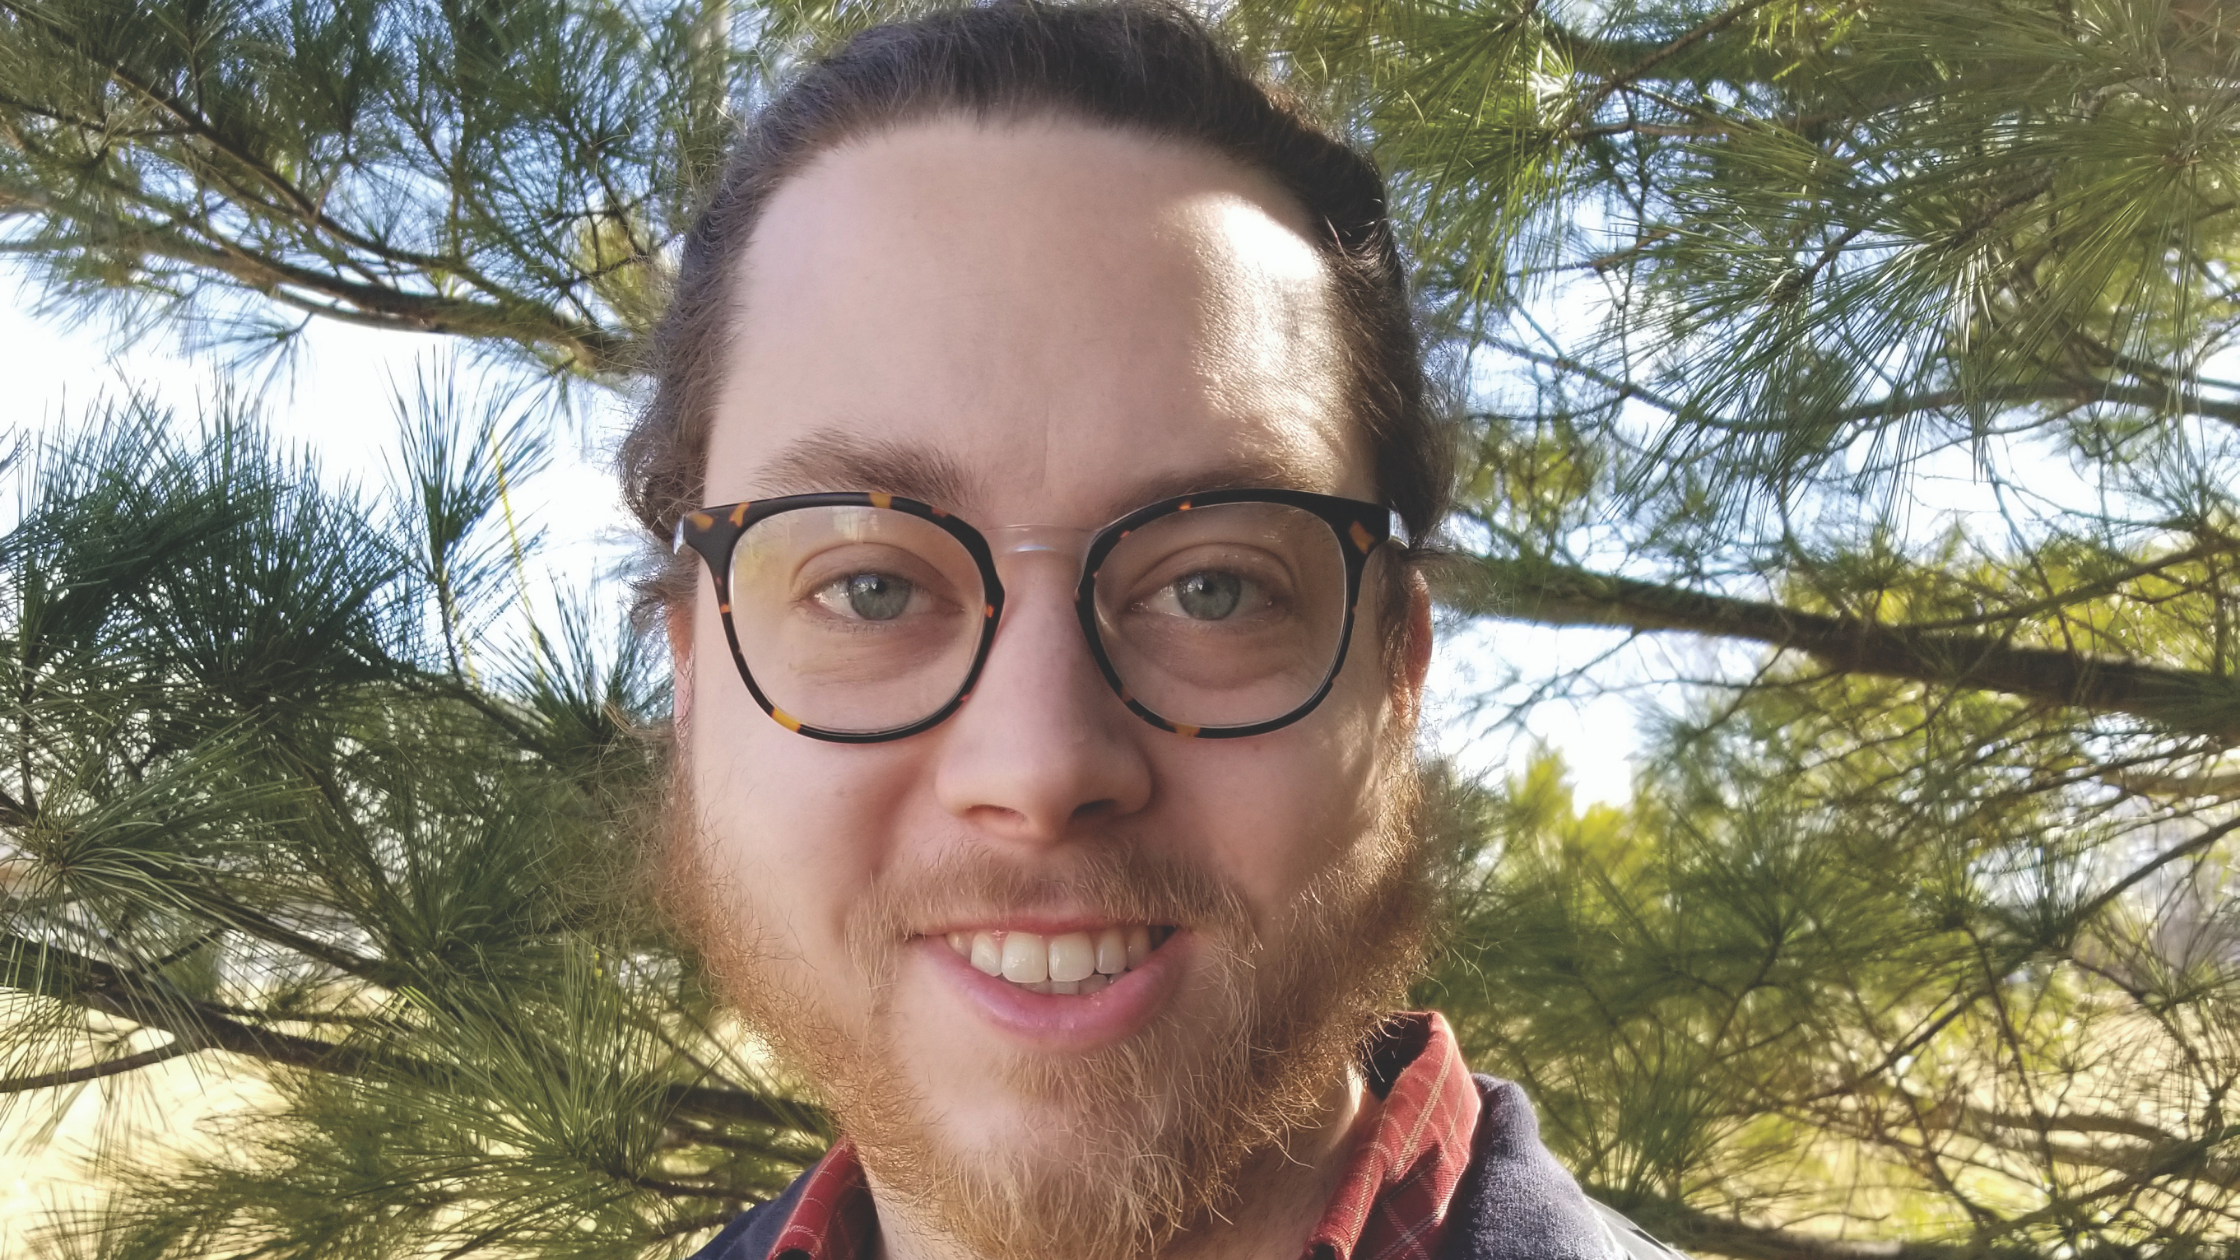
(1285, 1192)
(1281, 1195)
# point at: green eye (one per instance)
(869, 596)
(1209, 596)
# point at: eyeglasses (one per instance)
(861, 617)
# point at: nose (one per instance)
(1042, 747)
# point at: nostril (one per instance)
(1095, 810)
(998, 817)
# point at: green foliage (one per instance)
(1773, 264)
(1882, 347)
(511, 172)
(256, 812)
(1847, 957)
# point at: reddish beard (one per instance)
(1162, 1129)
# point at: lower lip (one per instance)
(1057, 1021)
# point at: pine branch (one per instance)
(1697, 1230)
(172, 230)
(1689, 57)
(2178, 1159)
(235, 915)
(2182, 402)
(739, 1105)
(2191, 846)
(361, 302)
(1896, 406)
(1666, 53)
(80, 980)
(98, 986)
(1622, 389)
(300, 204)
(2214, 786)
(2158, 1154)
(179, 1048)
(2181, 700)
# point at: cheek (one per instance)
(1274, 811)
(1271, 812)
(790, 828)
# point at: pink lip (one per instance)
(1056, 1022)
(1041, 924)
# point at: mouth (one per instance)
(1066, 964)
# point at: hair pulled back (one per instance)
(1141, 66)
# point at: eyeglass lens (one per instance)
(864, 619)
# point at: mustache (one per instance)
(1123, 882)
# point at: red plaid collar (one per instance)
(1392, 1202)
(1390, 1205)
(833, 1219)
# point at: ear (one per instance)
(1419, 631)
(676, 620)
(1416, 667)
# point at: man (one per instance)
(1030, 419)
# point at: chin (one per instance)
(1023, 1139)
(1034, 1161)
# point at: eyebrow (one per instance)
(844, 461)
(1272, 475)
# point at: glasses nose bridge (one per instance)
(1040, 568)
(1013, 540)
(1064, 546)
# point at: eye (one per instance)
(1206, 595)
(867, 596)
(1209, 596)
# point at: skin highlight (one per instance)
(1045, 322)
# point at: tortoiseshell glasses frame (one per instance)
(714, 532)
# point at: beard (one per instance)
(1159, 1133)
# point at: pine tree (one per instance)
(282, 795)
(1915, 939)
(507, 172)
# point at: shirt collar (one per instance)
(1391, 1202)
(832, 1220)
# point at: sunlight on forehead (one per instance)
(1270, 344)
(1266, 293)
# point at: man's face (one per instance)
(1044, 323)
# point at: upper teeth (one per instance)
(1071, 962)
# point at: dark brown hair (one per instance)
(1141, 66)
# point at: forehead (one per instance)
(1035, 320)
